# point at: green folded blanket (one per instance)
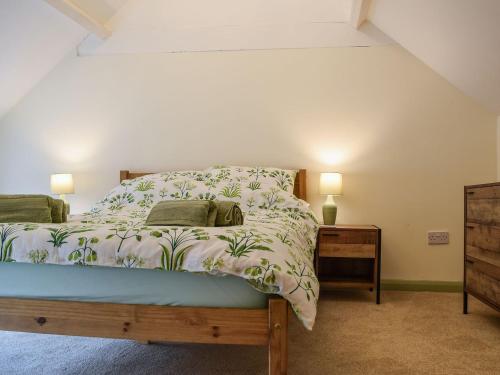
(198, 213)
(195, 213)
(65, 212)
(228, 214)
(32, 208)
(59, 211)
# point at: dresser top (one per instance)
(349, 227)
(482, 185)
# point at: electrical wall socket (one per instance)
(438, 238)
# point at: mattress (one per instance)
(127, 286)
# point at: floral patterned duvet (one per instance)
(273, 250)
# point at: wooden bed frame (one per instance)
(145, 323)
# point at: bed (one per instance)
(124, 298)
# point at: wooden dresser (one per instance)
(482, 244)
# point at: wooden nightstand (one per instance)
(348, 256)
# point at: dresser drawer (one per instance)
(483, 211)
(483, 280)
(347, 244)
(483, 242)
(486, 192)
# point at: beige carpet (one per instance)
(409, 333)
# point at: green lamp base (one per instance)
(329, 211)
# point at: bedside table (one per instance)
(348, 256)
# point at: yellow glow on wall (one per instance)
(76, 151)
(331, 157)
(74, 144)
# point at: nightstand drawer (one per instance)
(347, 237)
(347, 244)
(345, 250)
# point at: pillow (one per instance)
(256, 178)
(251, 188)
(144, 192)
(256, 187)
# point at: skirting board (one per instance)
(422, 286)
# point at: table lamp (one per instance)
(62, 183)
(330, 184)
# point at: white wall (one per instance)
(406, 139)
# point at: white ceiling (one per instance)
(459, 39)
(34, 37)
(155, 26)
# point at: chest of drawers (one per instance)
(482, 244)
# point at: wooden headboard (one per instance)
(299, 189)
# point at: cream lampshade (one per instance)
(62, 183)
(330, 184)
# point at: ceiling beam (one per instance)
(359, 12)
(77, 14)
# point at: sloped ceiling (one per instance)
(459, 39)
(158, 26)
(34, 37)
(101, 10)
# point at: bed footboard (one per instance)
(146, 323)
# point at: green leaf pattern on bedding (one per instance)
(242, 242)
(273, 250)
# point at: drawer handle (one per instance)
(470, 226)
(469, 261)
(331, 234)
(470, 192)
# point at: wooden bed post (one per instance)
(123, 175)
(278, 336)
